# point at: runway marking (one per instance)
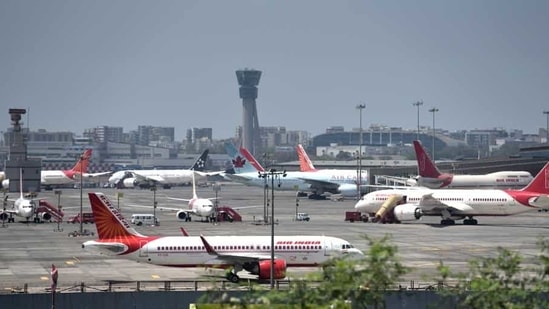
(44, 278)
(69, 262)
(155, 276)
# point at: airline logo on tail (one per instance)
(305, 163)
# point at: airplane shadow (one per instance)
(437, 225)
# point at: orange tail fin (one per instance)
(426, 167)
(305, 163)
(109, 221)
(81, 166)
(540, 183)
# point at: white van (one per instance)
(147, 219)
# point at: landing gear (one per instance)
(447, 222)
(233, 277)
(315, 196)
(470, 221)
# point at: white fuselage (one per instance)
(161, 176)
(201, 207)
(480, 202)
(180, 251)
(24, 207)
(56, 177)
(504, 180)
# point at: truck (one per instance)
(87, 218)
(353, 216)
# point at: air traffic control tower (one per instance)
(17, 162)
(248, 81)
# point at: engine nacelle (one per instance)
(347, 190)
(45, 216)
(182, 215)
(407, 212)
(263, 269)
(6, 183)
(129, 182)
(4, 216)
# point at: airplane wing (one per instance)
(157, 207)
(234, 257)
(324, 185)
(91, 175)
(429, 204)
(140, 177)
(178, 199)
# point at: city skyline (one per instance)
(124, 63)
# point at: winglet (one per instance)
(426, 167)
(184, 232)
(208, 247)
(305, 163)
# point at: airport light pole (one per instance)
(216, 187)
(81, 159)
(272, 173)
(433, 110)
(58, 193)
(547, 127)
(417, 104)
(360, 107)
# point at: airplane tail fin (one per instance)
(200, 163)
(251, 159)
(109, 221)
(305, 164)
(195, 196)
(81, 166)
(21, 196)
(239, 161)
(540, 183)
(426, 167)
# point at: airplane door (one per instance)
(143, 251)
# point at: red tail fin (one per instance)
(251, 159)
(305, 164)
(540, 183)
(82, 165)
(426, 167)
(109, 221)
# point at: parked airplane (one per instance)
(397, 205)
(431, 177)
(202, 207)
(165, 178)
(51, 178)
(250, 253)
(22, 206)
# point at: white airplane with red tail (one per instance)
(431, 177)
(397, 205)
(250, 253)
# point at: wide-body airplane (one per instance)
(165, 178)
(342, 182)
(397, 205)
(431, 177)
(52, 178)
(250, 253)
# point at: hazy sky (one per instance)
(79, 64)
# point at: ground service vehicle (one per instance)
(147, 219)
(353, 216)
(87, 217)
(302, 216)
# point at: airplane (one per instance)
(318, 182)
(398, 205)
(51, 178)
(166, 178)
(431, 177)
(251, 253)
(22, 206)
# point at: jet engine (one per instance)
(183, 216)
(263, 269)
(347, 190)
(407, 212)
(129, 182)
(4, 216)
(45, 216)
(6, 183)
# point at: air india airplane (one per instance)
(22, 206)
(51, 178)
(431, 177)
(397, 205)
(250, 253)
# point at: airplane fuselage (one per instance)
(504, 180)
(179, 251)
(480, 202)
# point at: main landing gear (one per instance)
(231, 274)
(469, 221)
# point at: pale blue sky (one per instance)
(79, 64)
